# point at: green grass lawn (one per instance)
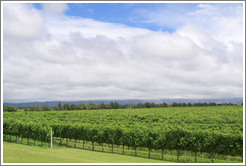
(19, 153)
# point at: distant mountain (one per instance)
(238, 100)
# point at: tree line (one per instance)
(9, 108)
(111, 105)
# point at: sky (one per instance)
(112, 51)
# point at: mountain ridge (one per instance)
(236, 100)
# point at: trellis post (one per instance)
(51, 138)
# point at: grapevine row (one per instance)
(29, 130)
(140, 136)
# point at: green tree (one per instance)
(66, 106)
(45, 107)
(34, 107)
(114, 105)
(73, 107)
(59, 105)
(91, 106)
(102, 106)
(150, 139)
(162, 142)
(139, 105)
(81, 106)
(10, 108)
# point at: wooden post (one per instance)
(211, 155)
(178, 154)
(185, 157)
(195, 157)
(162, 153)
(51, 138)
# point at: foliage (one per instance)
(199, 129)
(9, 108)
(114, 105)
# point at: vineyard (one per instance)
(211, 130)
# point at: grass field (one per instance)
(19, 153)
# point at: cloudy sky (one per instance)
(58, 51)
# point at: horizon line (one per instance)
(123, 99)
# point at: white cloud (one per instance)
(22, 21)
(77, 58)
(223, 22)
(54, 8)
(90, 28)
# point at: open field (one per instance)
(18, 153)
(169, 155)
